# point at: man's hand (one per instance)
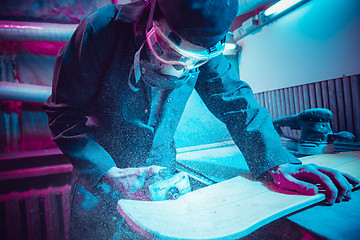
(130, 181)
(304, 177)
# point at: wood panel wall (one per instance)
(340, 95)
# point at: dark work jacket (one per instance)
(99, 122)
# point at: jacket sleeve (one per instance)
(250, 125)
(78, 68)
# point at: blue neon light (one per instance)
(280, 7)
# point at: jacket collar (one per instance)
(129, 12)
(132, 13)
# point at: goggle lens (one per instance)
(169, 53)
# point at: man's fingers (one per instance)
(153, 170)
(341, 183)
(352, 180)
(292, 183)
(156, 169)
(316, 176)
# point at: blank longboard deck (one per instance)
(227, 210)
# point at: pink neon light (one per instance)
(20, 27)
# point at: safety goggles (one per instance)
(169, 48)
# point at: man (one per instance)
(119, 89)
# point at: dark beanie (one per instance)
(201, 22)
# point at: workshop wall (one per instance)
(306, 59)
(318, 41)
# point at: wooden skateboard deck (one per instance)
(227, 210)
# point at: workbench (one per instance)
(217, 162)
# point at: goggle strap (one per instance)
(136, 69)
(151, 15)
(214, 48)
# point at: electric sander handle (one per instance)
(342, 136)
